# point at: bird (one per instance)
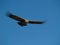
(22, 21)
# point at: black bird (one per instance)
(23, 22)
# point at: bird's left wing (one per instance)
(36, 22)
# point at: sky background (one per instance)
(45, 34)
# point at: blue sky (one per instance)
(46, 34)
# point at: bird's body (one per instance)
(23, 22)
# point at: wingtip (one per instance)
(43, 22)
(8, 14)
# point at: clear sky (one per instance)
(46, 34)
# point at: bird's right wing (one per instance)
(14, 17)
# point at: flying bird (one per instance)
(22, 21)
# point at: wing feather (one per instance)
(36, 22)
(14, 17)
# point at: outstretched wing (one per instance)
(15, 17)
(36, 22)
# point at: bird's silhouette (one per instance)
(22, 21)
